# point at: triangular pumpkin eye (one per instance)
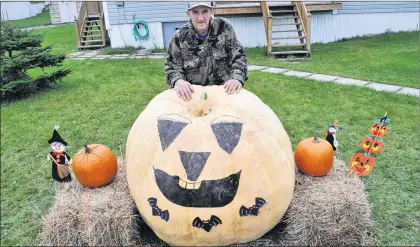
(227, 135)
(168, 131)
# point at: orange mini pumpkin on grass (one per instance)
(314, 156)
(95, 165)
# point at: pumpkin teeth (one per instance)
(182, 183)
(186, 185)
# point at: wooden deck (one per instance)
(254, 8)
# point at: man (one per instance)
(205, 51)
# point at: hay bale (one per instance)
(90, 216)
(330, 210)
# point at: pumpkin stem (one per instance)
(200, 108)
(87, 149)
(316, 137)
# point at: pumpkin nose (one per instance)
(193, 163)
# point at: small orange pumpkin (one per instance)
(95, 165)
(314, 156)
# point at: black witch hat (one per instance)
(56, 137)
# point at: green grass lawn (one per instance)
(38, 20)
(62, 38)
(100, 100)
(391, 58)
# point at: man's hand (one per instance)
(183, 89)
(232, 86)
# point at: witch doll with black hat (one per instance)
(60, 159)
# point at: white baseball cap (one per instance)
(191, 5)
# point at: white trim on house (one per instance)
(106, 15)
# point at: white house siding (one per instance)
(251, 33)
(127, 12)
(355, 18)
(328, 28)
(36, 8)
(122, 36)
(121, 18)
(55, 11)
(15, 10)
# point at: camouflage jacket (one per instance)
(210, 62)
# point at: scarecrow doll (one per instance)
(60, 159)
(331, 135)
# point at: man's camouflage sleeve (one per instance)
(239, 69)
(173, 66)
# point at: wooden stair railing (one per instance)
(306, 21)
(80, 22)
(90, 26)
(267, 23)
(302, 20)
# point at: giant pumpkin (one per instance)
(219, 175)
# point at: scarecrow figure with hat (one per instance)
(331, 135)
(60, 159)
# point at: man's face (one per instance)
(200, 18)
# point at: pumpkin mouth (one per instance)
(204, 194)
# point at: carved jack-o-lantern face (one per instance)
(370, 145)
(375, 130)
(189, 192)
(361, 165)
(218, 179)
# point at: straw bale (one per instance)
(90, 216)
(330, 210)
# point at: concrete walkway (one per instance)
(44, 26)
(83, 55)
(338, 80)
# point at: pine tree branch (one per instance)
(20, 51)
(28, 86)
(32, 58)
(13, 39)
